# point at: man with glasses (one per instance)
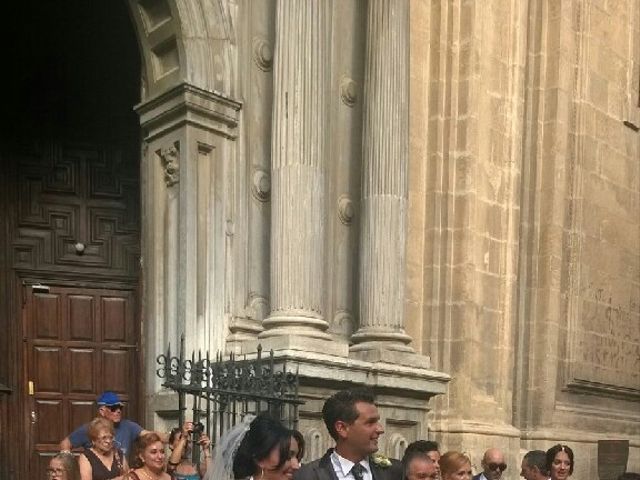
(109, 407)
(493, 465)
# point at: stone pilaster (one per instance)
(188, 133)
(301, 66)
(384, 180)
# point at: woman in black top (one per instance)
(103, 461)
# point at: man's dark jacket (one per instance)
(322, 469)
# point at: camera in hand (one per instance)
(198, 428)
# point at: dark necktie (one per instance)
(357, 471)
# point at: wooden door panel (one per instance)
(118, 373)
(47, 369)
(81, 317)
(49, 421)
(80, 412)
(77, 193)
(83, 369)
(115, 320)
(47, 314)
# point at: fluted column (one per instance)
(384, 180)
(301, 64)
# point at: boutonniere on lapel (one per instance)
(380, 460)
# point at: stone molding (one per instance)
(186, 104)
(404, 380)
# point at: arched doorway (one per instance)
(69, 148)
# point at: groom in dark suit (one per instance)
(353, 421)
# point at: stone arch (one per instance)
(186, 41)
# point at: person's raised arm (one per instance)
(176, 454)
(65, 445)
(205, 456)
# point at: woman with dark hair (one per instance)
(147, 459)
(300, 439)
(560, 462)
(259, 448)
(455, 466)
(181, 442)
(63, 466)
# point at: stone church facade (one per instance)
(439, 199)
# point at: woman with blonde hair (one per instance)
(455, 466)
(103, 461)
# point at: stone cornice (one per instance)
(187, 104)
(603, 389)
(407, 380)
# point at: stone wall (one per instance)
(287, 163)
(524, 234)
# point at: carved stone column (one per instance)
(384, 180)
(301, 66)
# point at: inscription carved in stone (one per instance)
(606, 343)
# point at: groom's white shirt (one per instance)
(343, 467)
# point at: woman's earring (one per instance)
(261, 473)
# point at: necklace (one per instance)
(147, 474)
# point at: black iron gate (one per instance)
(220, 392)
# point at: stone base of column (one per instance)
(295, 324)
(385, 355)
(375, 338)
(242, 330)
(291, 340)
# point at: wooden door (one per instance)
(78, 342)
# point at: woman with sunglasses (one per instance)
(63, 466)
(560, 462)
(103, 461)
(455, 466)
(179, 465)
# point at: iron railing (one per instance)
(220, 391)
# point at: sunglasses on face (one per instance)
(55, 472)
(495, 466)
(114, 408)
